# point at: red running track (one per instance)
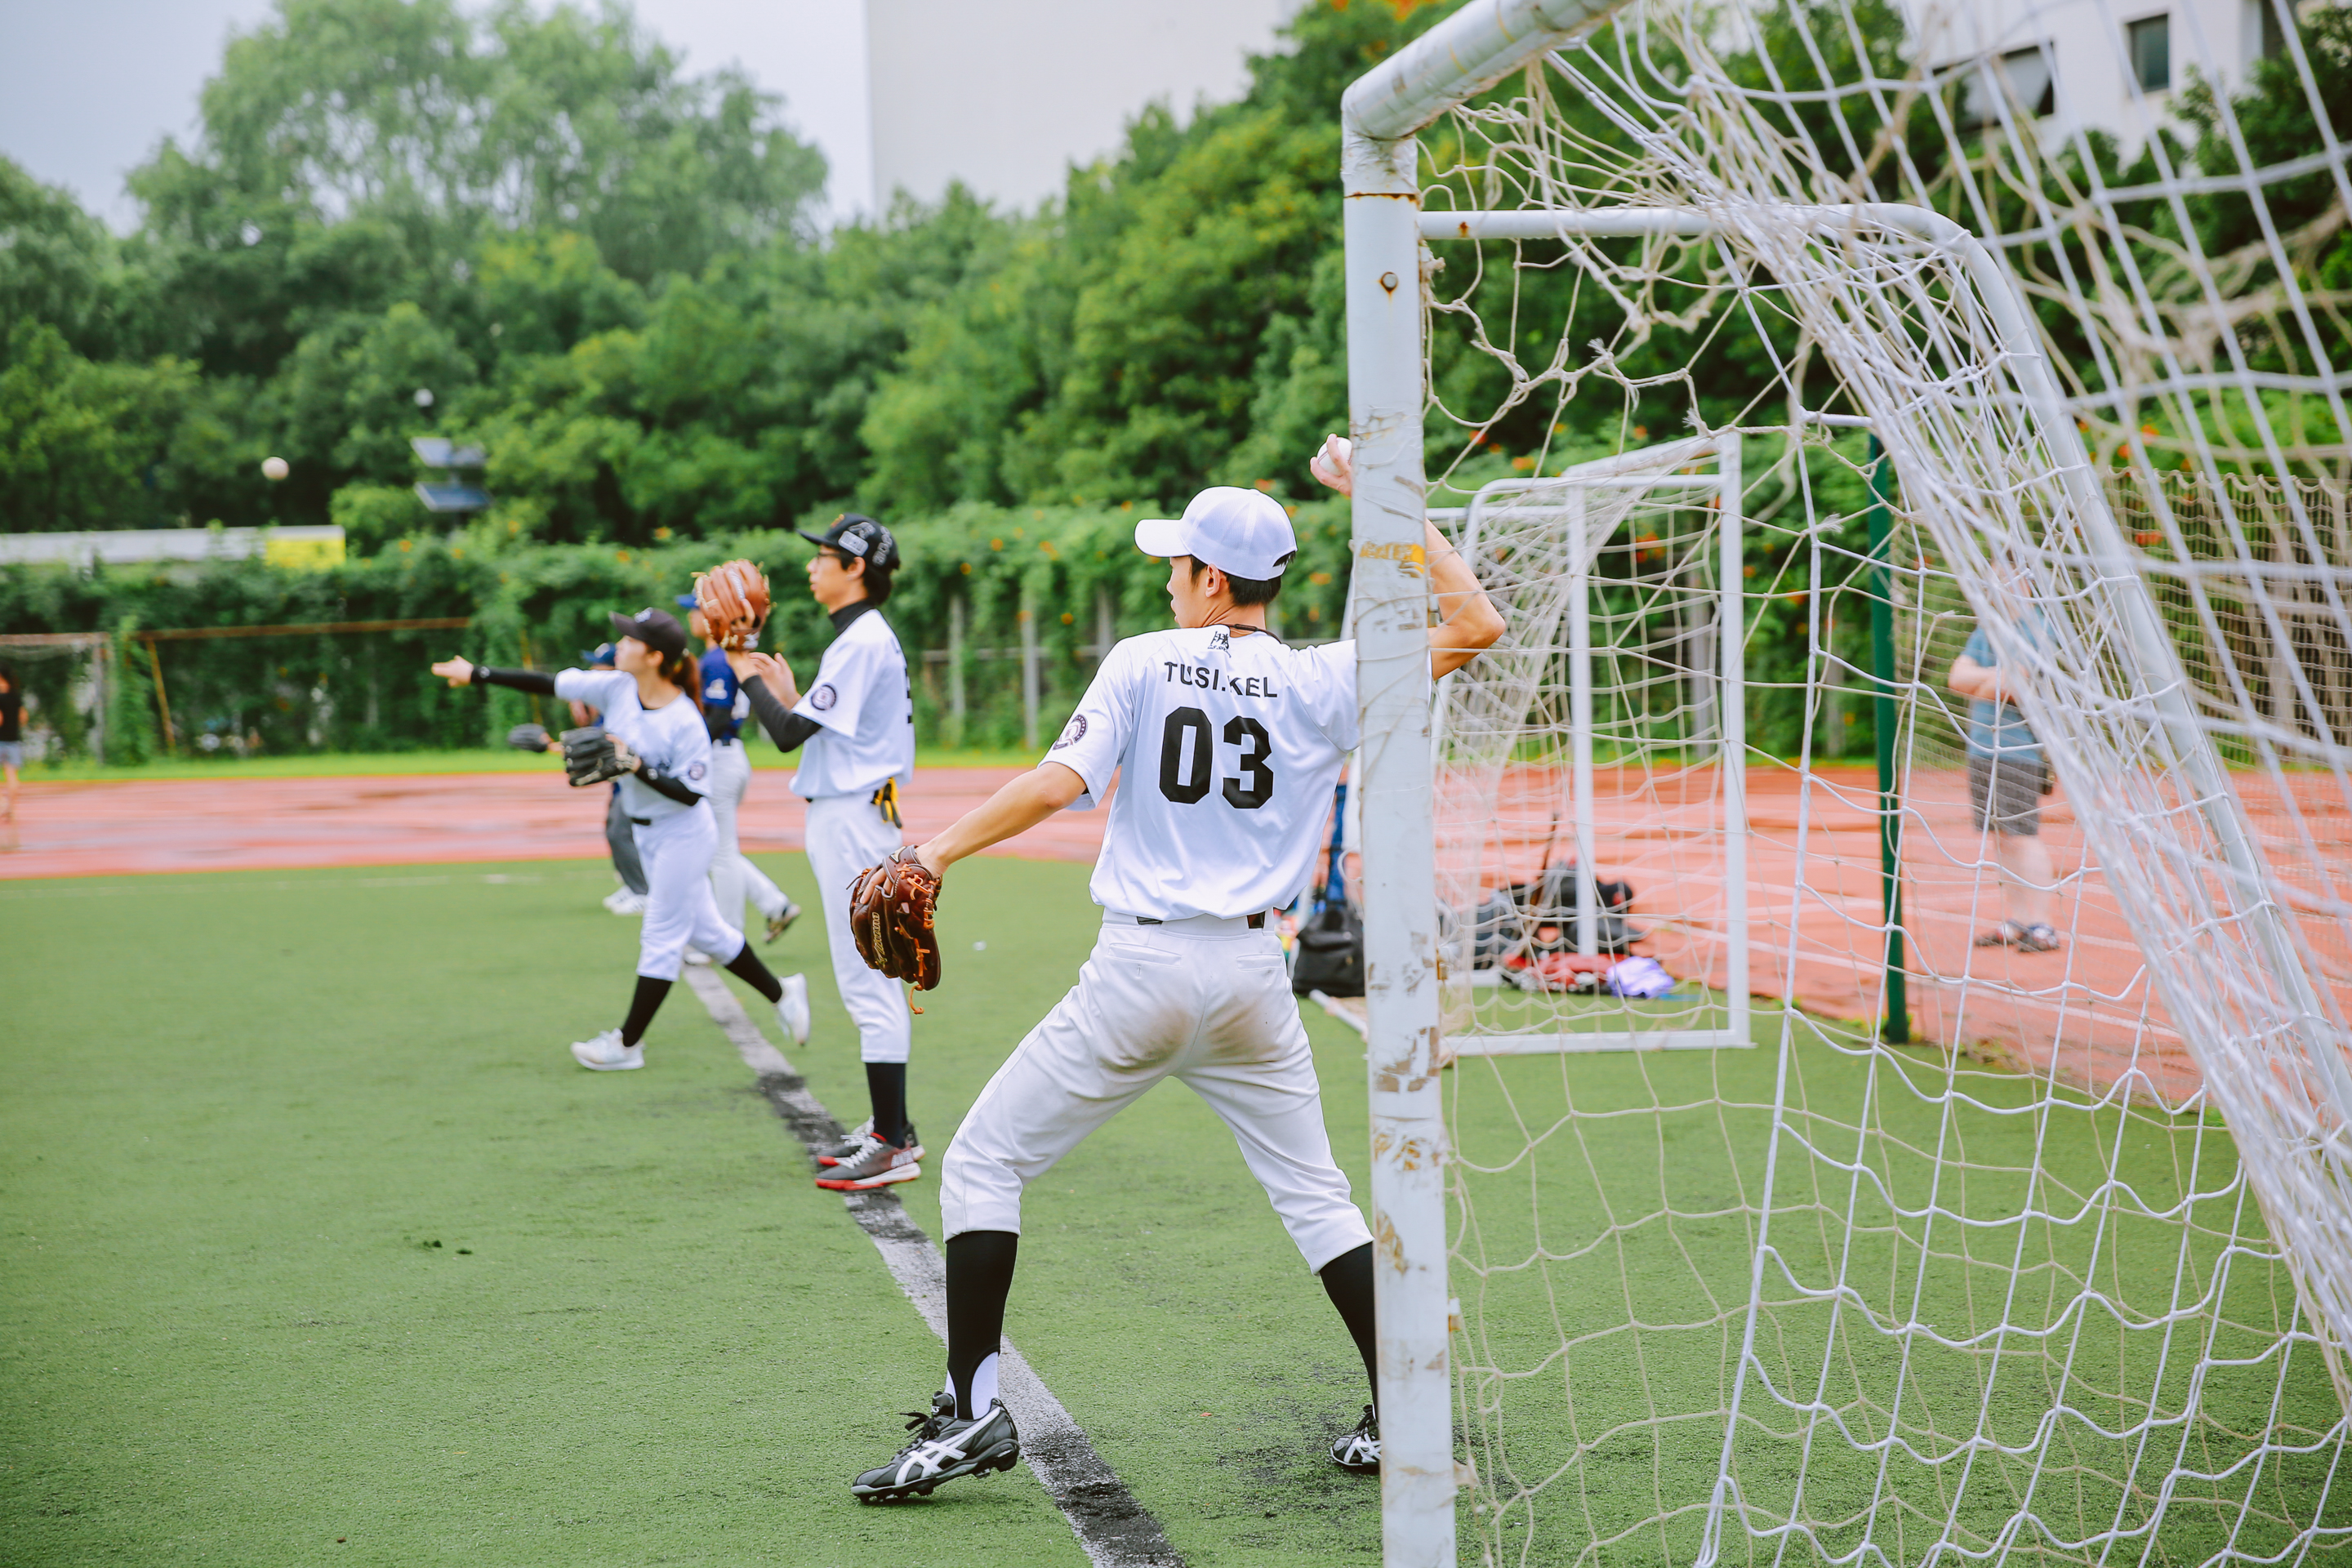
(141, 826)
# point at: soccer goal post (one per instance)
(1621, 665)
(2083, 1298)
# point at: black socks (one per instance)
(1348, 1280)
(746, 967)
(885, 1084)
(979, 1278)
(641, 1008)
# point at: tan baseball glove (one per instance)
(891, 909)
(733, 599)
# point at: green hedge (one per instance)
(372, 691)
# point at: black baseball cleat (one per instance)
(1359, 1451)
(943, 1449)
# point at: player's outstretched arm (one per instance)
(1016, 808)
(1469, 621)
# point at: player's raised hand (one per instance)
(455, 671)
(1334, 464)
(772, 671)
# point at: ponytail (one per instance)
(680, 671)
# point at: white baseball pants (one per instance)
(680, 910)
(1205, 1001)
(732, 876)
(847, 832)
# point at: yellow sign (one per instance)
(303, 554)
(1413, 555)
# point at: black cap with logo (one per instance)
(657, 629)
(860, 538)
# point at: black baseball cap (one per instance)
(657, 629)
(860, 538)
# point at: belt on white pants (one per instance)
(1192, 925)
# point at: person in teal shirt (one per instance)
(2008, 777)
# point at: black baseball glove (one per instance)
(593, 756)
(528, 737)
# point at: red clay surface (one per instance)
(137, 827)
(2084, 1012)
(2078, 1012)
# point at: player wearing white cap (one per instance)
(649, 710)
(855, 728)
(1227, 744)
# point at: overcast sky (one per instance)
(87, 88)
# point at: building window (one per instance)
(2025, 78)
(2149, 40)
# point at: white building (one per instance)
(1007, 96)
(2106, 65)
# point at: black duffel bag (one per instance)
(1330, 957)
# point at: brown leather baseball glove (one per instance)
(891, 908)
(733, 599)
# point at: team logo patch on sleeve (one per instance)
(1071, 732)
(822, 697)
(696, 771)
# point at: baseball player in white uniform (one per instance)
(724, 709)
(856, 729)
(1227, 744)
(648, 706)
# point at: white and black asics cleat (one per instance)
(943, 1449)
(851, 1146)
(1359, 1451)
(779, 923)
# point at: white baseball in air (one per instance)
(274, 469)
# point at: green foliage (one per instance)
(542, 605)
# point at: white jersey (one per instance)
(865, 706)
(671, 738)
(1228, 748)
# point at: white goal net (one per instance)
(2026, 1229)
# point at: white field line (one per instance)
(1110, 1525)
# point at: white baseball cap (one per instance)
(1243, 533)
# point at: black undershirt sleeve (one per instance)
(537, 681)
(662, 784)
(716, 717)
(788, 730)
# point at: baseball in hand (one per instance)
(1334, 464)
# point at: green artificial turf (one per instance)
(245, 1107)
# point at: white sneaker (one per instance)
(699, 958)
(606, 1054)
(791, 1008)
(622, 901)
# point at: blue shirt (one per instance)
(719, 688)
(1997, 728)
